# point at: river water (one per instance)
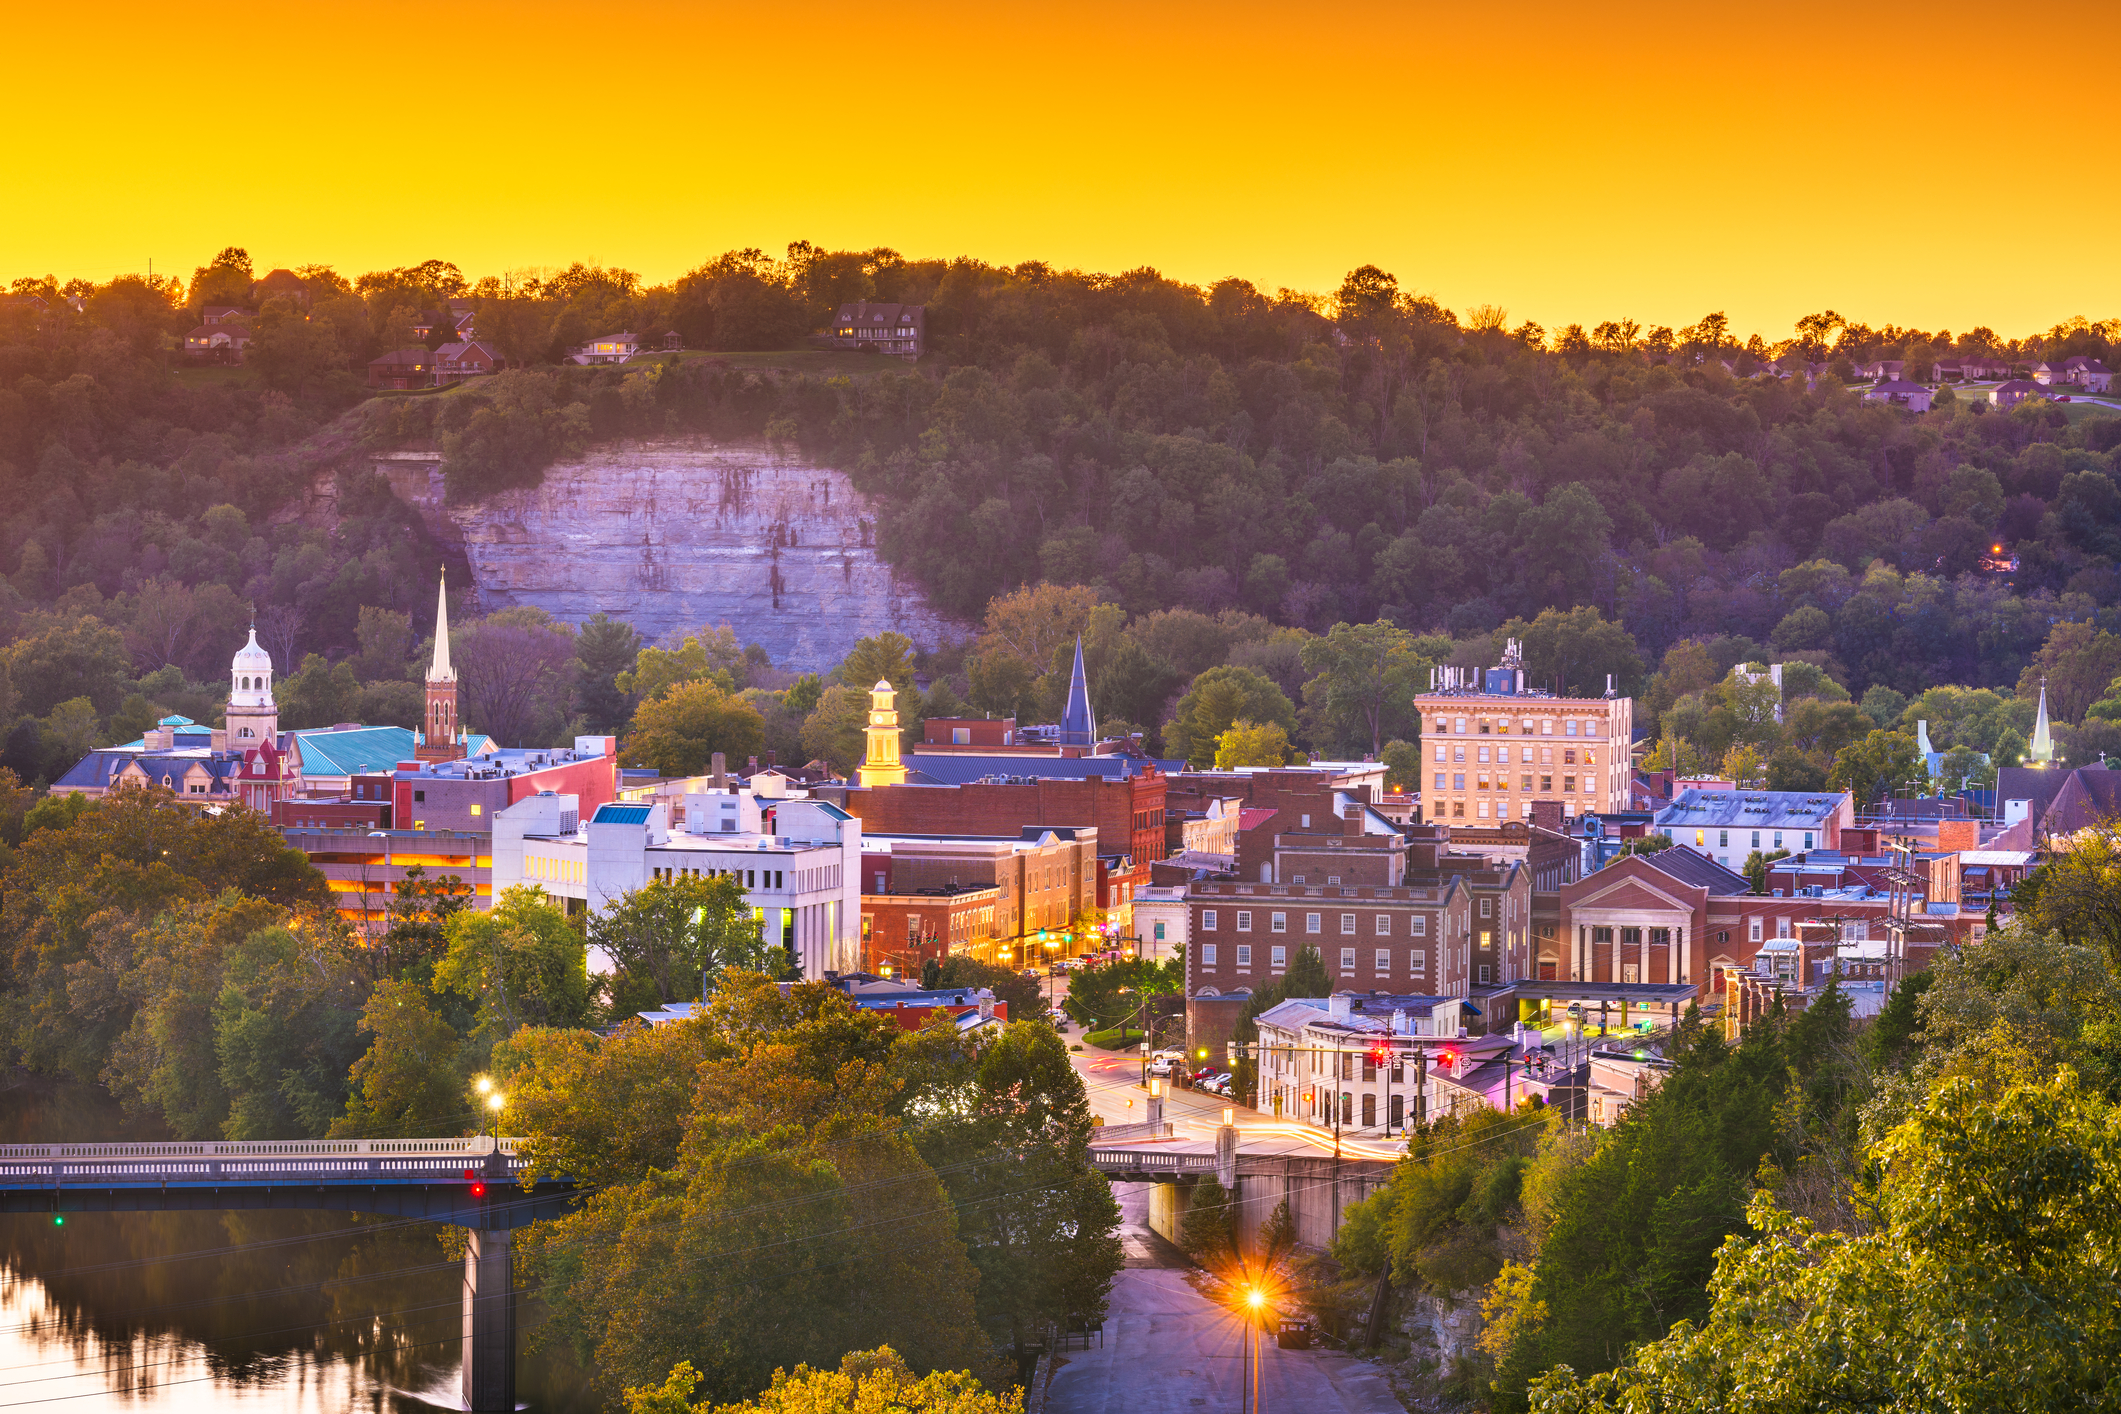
(278, 1313)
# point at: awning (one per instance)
(1474, 1009)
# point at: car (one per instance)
(1030, 973)
(1293, 1333)
(1220, 1084)
(1162, 1067)
(1175, 1054)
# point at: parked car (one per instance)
(1162, 1065)
(1293, 1333)
(1220, 1083)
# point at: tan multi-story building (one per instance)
(1491, 750)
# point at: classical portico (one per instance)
(1633, 921)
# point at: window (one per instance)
(1244, 920)
(1778, 839)
(476, 809)
(1347, 924)
(1333, 878)
(1568, 785)
(1572, 729)
(1159, 932)
(1782, 927)
(1483, 974)
(1347, 959)
(1483, 810)
(1277, 957)
(1807, 839)
(1458, 753)
(1461, 730)
(1458, 781)
(1701, 838)
(1756, 839)
(1439, 753)
(1207, 921)
(1546, 784)
(1487, 908)
(1418, 926)
(1207, 954)
(1244, 954)
(419, 797)
(1384, 959)
(1753, 929)
(1527, 780)
(1568, 758)
(1458, 809)
(1384, 925)
(1417, 963)
(1483, 754)
(1487, 937)
(1439, 776)
(1314, 923)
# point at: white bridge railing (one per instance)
(478, 1148)
(1157, 1160)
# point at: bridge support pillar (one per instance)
(1226, 1156)
(489, 1322)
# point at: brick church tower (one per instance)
(441, 739)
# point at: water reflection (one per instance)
(292, 1313)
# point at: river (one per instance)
(278, 1313)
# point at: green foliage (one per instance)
(1876, 766)
(1251, 744)
(1217, 699)
(604, 648)
(1363, 678)
(669, 934)
(866, 1380)
(1983, 1281)
(521, 963)
(1208, 1233)
(678, 733)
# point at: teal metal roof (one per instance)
(365, 751)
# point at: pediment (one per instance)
(1632, 895)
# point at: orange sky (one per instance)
(1565, 161)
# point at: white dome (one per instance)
(251, 657)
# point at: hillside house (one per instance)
(608, 348)
(1900, 393)
(453, 363)
(1885, 369)
(223, 314)
(2087, 373)
(900, 330)
(217, 343)
(281, 284)
(2009, 395)
(402, 369)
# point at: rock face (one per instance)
(675, 534)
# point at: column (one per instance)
(1644, 971)
(1678, 946)
(489, 1323)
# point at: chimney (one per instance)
(721, 771)
(1351, 822)
(1339, 1005)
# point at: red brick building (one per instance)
(902, 931)
(1126, 811)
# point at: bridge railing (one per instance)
(478, 1147)
(1151, 1160)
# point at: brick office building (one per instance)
(901, 931)
(1386, 912)
(1124, 810)
(1043, 880)
(1492, 748)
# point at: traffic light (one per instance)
(1447, 1062)
(58, 1220)
(1380, 1056)
(478, 1185)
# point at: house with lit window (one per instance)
(900, 330)
(1364, 1064)
(607, 348)
(1728, 825)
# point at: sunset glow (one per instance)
(1566, 162)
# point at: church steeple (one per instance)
(881, 765)
(1077, 726)
(253, 717)
(2042, 749)
(440, 738)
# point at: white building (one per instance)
(798, 860)
(1354, 1057)
(1160, 914)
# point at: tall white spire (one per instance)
(439, 670)
(2041, 750)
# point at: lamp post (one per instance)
(1255, 1303)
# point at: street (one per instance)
(1169, 1350)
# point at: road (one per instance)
(1169, 1350)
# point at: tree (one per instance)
(1034, 623)
(1251, 744)
(1983, 1281)
(1363, 681)
(516, 674)
(521, 964)
(1580, 648)
(1217, 698)
(668, 935)
(319, 694)
(410, 1081)
(387, 645)
(80, 658)
(1402, 762)
(836, 731)
(2076, 893)
(604, 647)
(866, 1381)
(1876, 766)
(678, 733)
(712, 654)
(885, 657)
(2076, 662)
(1208, 1233)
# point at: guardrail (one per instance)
(1111, 1133)
(480, 1146)
(261, 1162)
(1151, 1160)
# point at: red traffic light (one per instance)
(478, 1190)
(1448, 1061)
(1380, 1055)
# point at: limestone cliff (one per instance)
(669, 535)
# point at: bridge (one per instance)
(475, 1184)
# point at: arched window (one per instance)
(243, 684)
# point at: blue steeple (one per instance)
(1077, 726)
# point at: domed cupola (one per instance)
(253, 716)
